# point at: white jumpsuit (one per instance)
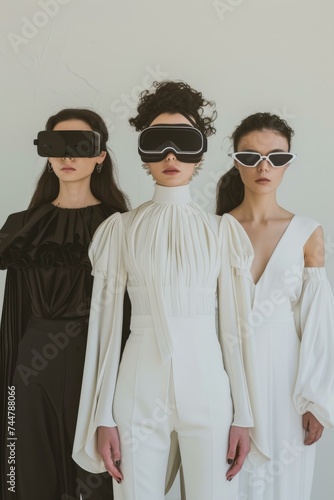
(171, 379)
(286, 323)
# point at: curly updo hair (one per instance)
(174, 97)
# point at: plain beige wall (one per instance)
(247, 55)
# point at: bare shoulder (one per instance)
(237, 213)
(314, 249)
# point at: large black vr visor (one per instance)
(186, 142)
(69, 143)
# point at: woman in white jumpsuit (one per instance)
(286, 314)
(171, 380)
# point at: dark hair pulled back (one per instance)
(230, 188)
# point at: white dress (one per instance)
(286, 325)
(171, 380)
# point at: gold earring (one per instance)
(198, 167)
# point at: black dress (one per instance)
(42, 348)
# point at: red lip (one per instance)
(170, 170)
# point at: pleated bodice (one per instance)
(172, 245)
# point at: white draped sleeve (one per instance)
(314, 390)
(230, 334)
(103, 343)
(237, 338)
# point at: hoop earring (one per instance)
(99, 167)
(50, 168)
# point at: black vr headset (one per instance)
(69, 143)
(186, 142)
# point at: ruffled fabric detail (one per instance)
(49, 237)
(51, 254)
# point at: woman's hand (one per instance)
(239, 446)
(313, 428)
(108, 447)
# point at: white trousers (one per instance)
(188, 397)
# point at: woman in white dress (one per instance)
(286, 313)
(171, 381)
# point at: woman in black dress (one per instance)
(45, 317)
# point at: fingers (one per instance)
(110, 466)
(312, 436)
(232, 451)
(237, 463)
(108, 446)
(313, 428)
(238, 450)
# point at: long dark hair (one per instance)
(230, 188)
(103, 185)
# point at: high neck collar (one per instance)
(170, 195)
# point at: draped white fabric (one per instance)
(314, 389)
(286, 329)
(168, 253)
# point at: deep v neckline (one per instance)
(272, 255)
